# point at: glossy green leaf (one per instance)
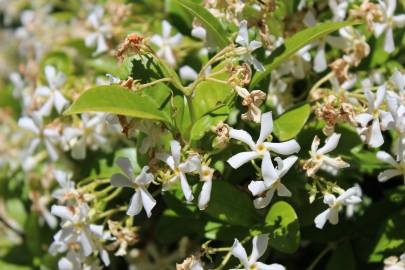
(230, 205)
(282, 225)
(207, 122)
(119, 100)
(296, 42)
(289, 124)
(215, 32)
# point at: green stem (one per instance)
(191, 109)
(320, 256)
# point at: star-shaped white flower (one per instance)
(372, 133)
(243, 40)
(206, 174)
(259, 247)
(350, 196)
(52, 91)
(319, 159)
(48, 136)
(180, 169)
(165, 42)
(91, 132)
(102, 31)
(260, 148)
(398, 166)
(264, 190)
(67, 188)
(388, 24)
(142, 198)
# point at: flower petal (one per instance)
(321, 219)
(147, 200)
(125, 164)
(186, 188)
(284, 148)
(135, 205)
(239, 252)
(205, 195)
(330, 144)
(259, 246)
(266, 126)
(239, 159)
(388, 174)
(242, 136)
(119, 180)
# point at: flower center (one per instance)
(261, 149)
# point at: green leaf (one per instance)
(119, 100)
(296, 42)
(205, 123)
(289, 124)
(342, 258)
(230, 205)
(282, 225)
(60, 60)
(210, 96)
(215, 32)
(9, 266)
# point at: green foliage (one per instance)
(290, 123)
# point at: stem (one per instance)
(191, 109)
(320, 256)
(111, 212)
(153, 83)
(320, 82)
(216, 80)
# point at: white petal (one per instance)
(387, 120)
(321, 219)
(243, 35)
(330, 144)
(259, 246)
(135, 205)
(320, 59)
(387, 158)
(257, 187)
(46, 108)
(175, 148)
(166, 28)
(90, 39)
(389, 45)
(147, 200)
(104, 257)
(239, 252)
(379, 28)
(60, 101)
(399, 20)
(28, 124)
(119, 180)
(284, 148)
(363, 119)
(169, 56)
(86, 243)
(376, 138)
(379, 98)
(186, 188)
(199, 32)
(79, 149)
(239, 159)
(262, 202)
(287, 164)
(43, 91)
(125, 164)
(269, 174)
(266, 126)
(176, 39)
(274, 266)
(388, 174)
(333, 216)
(187, 73)
(50, 148)
(191, 164)
(242, 136)
(101, 45)
(65, 264)
(166, 159)
(283, 191)
(254, 45)
(62, 211)
(50, 74)
(205, 195)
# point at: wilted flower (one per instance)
(190, 263)
(395, 263)
(252, 100)
(142, 198)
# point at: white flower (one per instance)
(339, 9)
(206, 174)
(395, 100)
(48, 136)
(102, 31)
(199, 32)
(90, 133)
(187, 73)
(264, 190)
(77, 231)
(165, 43)
(180, 169)
(243, 40)
(142, 198)
(319, 159)
(320, 63)
(350, 196)
(259, 247)
(260, 148)
(52, 91)
(371, 134)
(398, 167)
(389, 23)
(299, 63)
(395, 263)
(67, 186)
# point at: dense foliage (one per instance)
(185, 134)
